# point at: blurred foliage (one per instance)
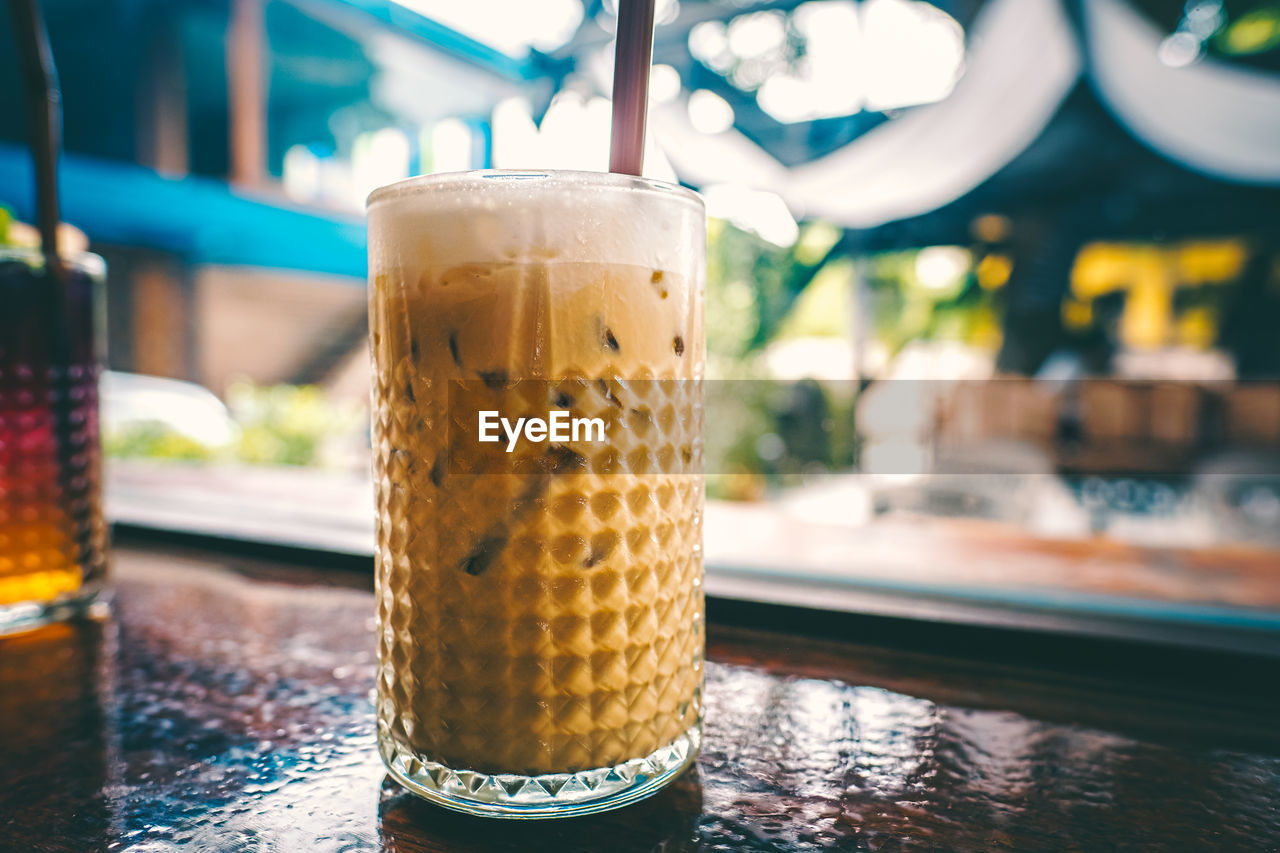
(758, 293)
(742, 412)
(155, 440)
(825, 308)
(1253, 32)
(286, 424)
(752, 284)
(769, 434)
(905, 308)
(278, 425)
(766, 433)
(1247, 30)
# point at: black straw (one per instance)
(44, 118)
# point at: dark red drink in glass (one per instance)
(52, 534)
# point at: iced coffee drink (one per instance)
(538, 354)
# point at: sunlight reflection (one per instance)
(836, 57)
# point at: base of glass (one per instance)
(506, 795)
(30, 615)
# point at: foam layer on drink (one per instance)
(522, 217)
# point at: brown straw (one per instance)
(44, 117)
(631, 59)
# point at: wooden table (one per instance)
(224, 705)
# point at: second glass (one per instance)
(53, 540)
(540, 637)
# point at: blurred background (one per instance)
(993, 285)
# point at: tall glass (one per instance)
(52, 535)
(540, 620)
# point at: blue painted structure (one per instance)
(201, 219)
(410, 24)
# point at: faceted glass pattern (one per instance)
(52, 534)
(540, 634)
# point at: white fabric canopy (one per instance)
(1208, 116)
(1022, 61)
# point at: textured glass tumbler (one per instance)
(540, 636)
(52, 536)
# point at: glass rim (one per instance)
(86, 262)
(553, 178)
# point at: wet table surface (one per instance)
(224, 705)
